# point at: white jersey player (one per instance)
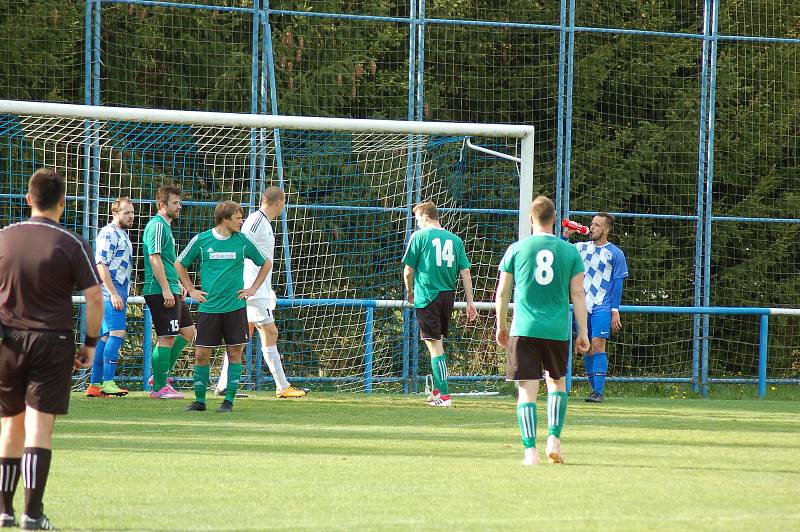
(260, 307)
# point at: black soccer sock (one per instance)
(9, 477)
(35, 469)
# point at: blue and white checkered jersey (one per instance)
(604, 266)
(114, 249)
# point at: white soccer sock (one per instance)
(273, 360)
(222, 383)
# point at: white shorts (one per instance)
(259, 311)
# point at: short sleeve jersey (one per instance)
(543, 266)
(437, 256)
(157, 240)
(41, 264)
(114, 250)
(603, 266)
(258, 227)
(221, 267)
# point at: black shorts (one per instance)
(36, 370)
(168, 321)
(229, 328)
(434, 320)
(527, 356)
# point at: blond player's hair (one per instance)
(543, 209)
(272, 195)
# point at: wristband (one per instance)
(90, 341)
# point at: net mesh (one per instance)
(342, 237)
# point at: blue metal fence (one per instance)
(265, 99)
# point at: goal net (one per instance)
(350, 185)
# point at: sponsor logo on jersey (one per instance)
(221, 255)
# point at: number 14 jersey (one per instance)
(542, 266)
(437, 256)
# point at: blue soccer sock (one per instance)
(97, 366)
(589, 365)
(110, 356)
(600, 370)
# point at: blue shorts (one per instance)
(113, 320)
(598, 323)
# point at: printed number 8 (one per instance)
(544, 267)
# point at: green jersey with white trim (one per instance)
(157, 240)
(221, 267)
(437, 256)
(543, 266)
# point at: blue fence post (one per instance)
(414, 354)
(569, 356)
(259, 361)
(763, 340)
(368, 333)
(249, 361)
(147, 349)
(562, 45)
(701, 177)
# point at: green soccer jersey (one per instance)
(158, 240)
(542, 266)
(437, 257)
(221, 267)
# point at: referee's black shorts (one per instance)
(527, 357)
(36, 370)
(434, 320)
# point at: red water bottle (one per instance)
(574, 226)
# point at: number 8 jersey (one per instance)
(542, 266)
(437, 256)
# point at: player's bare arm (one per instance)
(186, 281)
(466, 278)
(501, 307)
(161, 277)
(257, 282)
(578, 297)
(105, 276)
(408, 280)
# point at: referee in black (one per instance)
(41, 264)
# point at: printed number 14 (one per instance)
(444, 253)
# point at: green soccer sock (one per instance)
(234, 376)
(526, 415)
(439, 367)
(556, 412)
(201, 374)
(160, 367)
(175, 352)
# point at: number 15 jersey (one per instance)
(542, 266)
(437, 256)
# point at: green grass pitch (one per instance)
(387, 462)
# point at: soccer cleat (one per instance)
(433, 395)
(594, 397)
(40, 523)
(196, 406)
(442, 400)
(167, 392)
(531, 457)
(553, 451)
(111, 388)
(225, 408)
(94, 391)
(290, 393)
(173, 393)
(8, 521)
